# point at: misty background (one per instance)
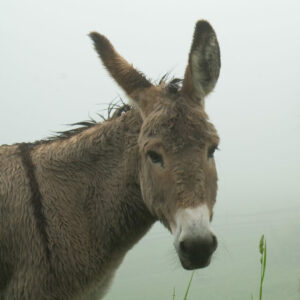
(50, 76)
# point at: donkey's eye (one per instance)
(211, 151)
(155, 157)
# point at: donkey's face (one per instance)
(178, 177)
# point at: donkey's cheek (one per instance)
(150, 192)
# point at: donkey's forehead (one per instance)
(175, 122)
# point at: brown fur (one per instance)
(126, 76)
(71, 208)
(201, 75)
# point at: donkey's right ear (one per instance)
(204, 64)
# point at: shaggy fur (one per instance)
(72, 206)
(36, 198)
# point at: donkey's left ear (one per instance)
(204, 64)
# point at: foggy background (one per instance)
(50, 76)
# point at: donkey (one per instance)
(72, 206)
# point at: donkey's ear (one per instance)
(204, 63)
(125, 75)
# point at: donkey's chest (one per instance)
(98, 290)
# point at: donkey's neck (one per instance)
(90, 182)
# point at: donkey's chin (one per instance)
(195, 263)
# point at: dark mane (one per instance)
(114, 110)
(173, 85)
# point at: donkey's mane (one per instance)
(115, 110)
(172, 85)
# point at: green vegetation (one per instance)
(187, 289)
(263, 261)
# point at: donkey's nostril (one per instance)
(198, 247)
(183, 246)
(214, 242)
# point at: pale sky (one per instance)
(51, 76)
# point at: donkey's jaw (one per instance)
(194, 240)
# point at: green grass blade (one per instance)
(173, 298)
(265, 260)
(263, 268)
(261, 244)
(188, 287)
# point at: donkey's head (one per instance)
(178, 177)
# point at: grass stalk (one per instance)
(188, 287)
(263, 262)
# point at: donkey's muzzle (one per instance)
(195, 253)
